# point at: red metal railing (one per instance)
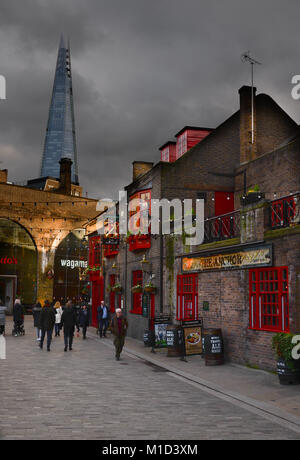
(284, 211)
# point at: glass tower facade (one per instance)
(60, 141)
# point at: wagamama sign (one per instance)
(73, 263)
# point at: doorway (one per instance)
(8, 291)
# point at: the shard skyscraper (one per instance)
(60, 141)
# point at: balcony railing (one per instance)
(222, 227)
(285, 211)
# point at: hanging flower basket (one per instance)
(137, 289)
(150, 288)
(117, 288)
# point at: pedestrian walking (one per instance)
(58, 313)
(18, 317)
(69, 321)
(119, 326)
(103, 320)
(46, 324)
(84, 319)
(36, 312)
(3, 309)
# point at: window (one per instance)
(269, 299)
(140, 241)
(187, 297)
(137, 278)
(95, 251)
(181, 145)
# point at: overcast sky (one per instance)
(142, 69)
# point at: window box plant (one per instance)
(288, 369)
(252, 196)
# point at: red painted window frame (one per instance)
(269, 299)
(137, 278)
(187, 293)
(143, 241)
(94, 251)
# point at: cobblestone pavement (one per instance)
(86, 394)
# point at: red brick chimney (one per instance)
(248, 150)
(65, 176)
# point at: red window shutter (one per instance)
(268, 299)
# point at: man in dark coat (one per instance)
(84, 319)
(68, 322)
(119, 326)
(46, 324)
(36, 313)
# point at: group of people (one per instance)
(57, 318)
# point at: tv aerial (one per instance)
(245, 57)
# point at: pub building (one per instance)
(244, 277)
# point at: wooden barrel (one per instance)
(213, 347)
(174, 341)
(288, 376)
(149, 338)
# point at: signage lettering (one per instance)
(74, 263)
(8, 260)
(261, 256)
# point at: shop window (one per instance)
(187, 297)
(137, 279)
(269, 299)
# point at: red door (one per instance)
(97, 296)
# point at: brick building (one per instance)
(43, 253)
(248, 236)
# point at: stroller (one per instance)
(18, 328)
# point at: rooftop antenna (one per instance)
(247, 58)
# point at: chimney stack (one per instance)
(65, 176)
(248, 150)
(140, 168)
(3, 175)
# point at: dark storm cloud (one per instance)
(141, 71)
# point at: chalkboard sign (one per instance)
(148, 338)
(216, 344)
(171, 338)
(145, 305)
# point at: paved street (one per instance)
(86, 394)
